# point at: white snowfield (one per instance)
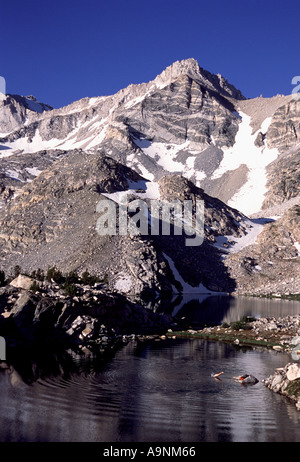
(233, 244)
(165, 154)
(250, 197)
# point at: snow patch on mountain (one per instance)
(250, 197)
(123, 282)
(33, 171)
(253, 228)
(142, 189)
(163, 154)
(166, 154)
(94, 133)
(14, 174)
(30, 145)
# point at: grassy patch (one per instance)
(292, 297)
(34, 287)
(55, 275)
(69, 288)
(293, 389)
(277, 296)
(242, 324)
(224, 337)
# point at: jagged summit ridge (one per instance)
(191, 68)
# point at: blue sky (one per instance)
(63, 50)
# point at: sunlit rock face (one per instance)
(187, 134)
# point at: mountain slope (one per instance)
(57, 216)
(185, 131)
(272, 264)
(182, 112)
(184, 121)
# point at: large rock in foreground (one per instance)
(286, 381)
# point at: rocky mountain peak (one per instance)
(191, 68)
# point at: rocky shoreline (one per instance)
(94, 319)
(281, 334)
(286, 381)
(81, 316)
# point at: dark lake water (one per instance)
(154, 391)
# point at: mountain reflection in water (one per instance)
(153, 390)
(212, 310)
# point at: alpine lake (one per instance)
(155, 390)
